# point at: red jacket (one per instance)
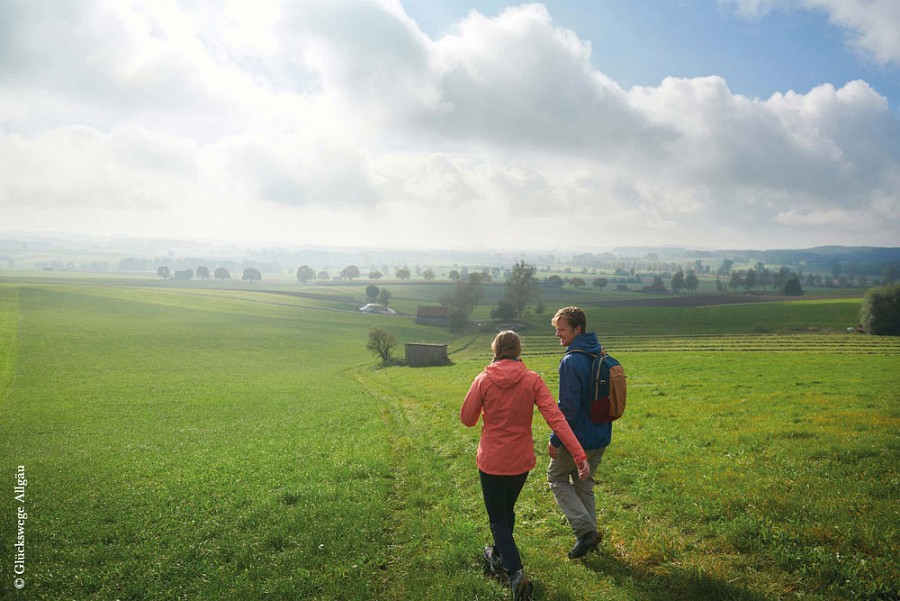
(505, 392)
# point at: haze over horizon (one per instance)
(493, 125)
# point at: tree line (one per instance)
(880, 313)
(251, 274)
(306, 274)
(784, 280)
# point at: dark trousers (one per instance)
(500, 495)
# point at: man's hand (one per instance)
(551, 450)
(584, 469)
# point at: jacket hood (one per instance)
(586, 341)
(506, 372)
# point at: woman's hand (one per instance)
(584, 469)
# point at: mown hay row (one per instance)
(804, 343)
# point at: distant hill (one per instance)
(829, 255)
(820, 255)
(94, 253)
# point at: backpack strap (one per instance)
(592, 380)
(578, 350)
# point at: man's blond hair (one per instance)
(574, 316)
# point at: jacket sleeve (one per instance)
(556, 420)
(570, 392)
(471, 407)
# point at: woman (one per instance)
(505, 393)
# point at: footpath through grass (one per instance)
(734, 475)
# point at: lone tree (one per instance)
(725, 267)
(381, 342)
(691, 281)
(462, 301)
(792, 286)
(384, 296)
(658, 285)
(371, 292)
(402, 273)
(305, 273)
(350, 272)
(164, 272)
(522, 288)
(222, 274)
(203, 272)
(880, 311)
(252, 274)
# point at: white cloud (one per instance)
(342, 123)
(520, 80)
(80, 168)
(828, 217)
(323, 173)
(873, 25)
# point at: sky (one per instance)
(569, 125)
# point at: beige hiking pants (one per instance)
(574, 496)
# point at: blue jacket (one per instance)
(575, 393)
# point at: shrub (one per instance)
(381, 342)
(880, 311)
(504, 310)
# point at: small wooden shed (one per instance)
(421, 354)
(433, 316)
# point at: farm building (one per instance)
(433, 316)
(421, 354)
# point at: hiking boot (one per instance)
(493, 565)
(584, 544)
(521, 586)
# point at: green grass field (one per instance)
(205, 443)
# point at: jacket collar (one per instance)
(586, 341)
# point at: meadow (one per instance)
(228, 442)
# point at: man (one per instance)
(574, 496)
